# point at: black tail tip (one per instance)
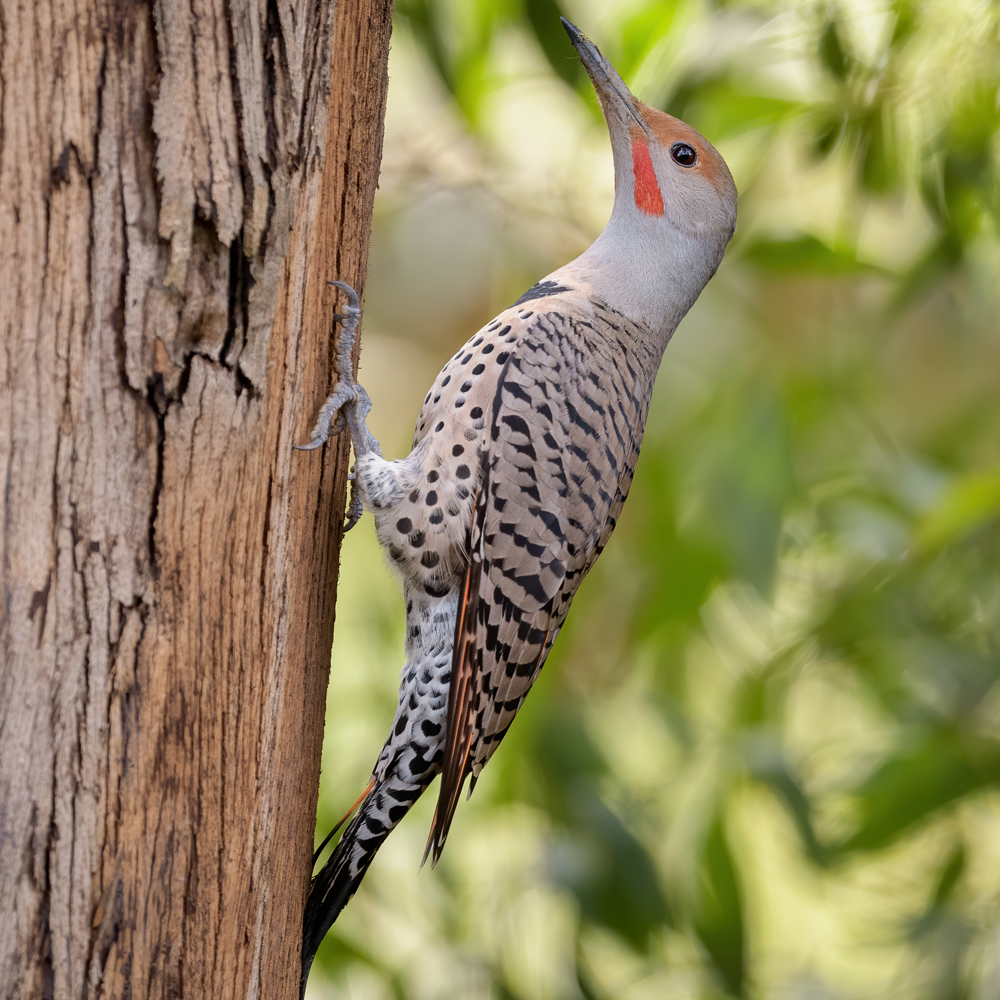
(307, 961)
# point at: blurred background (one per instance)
(763, 760)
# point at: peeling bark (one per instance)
(177, 183)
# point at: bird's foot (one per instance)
(348, 404)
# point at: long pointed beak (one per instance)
(610, 87)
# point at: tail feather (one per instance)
(386, 804)
(334, 886)
(343, 819)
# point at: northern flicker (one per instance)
(522, 459)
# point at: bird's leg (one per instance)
(348, 404)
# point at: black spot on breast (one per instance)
(488, 349)
(540, 289)
(404, 526)
(436, 589)
(395, 553)
(432, 476)
(430, 559)
(429, 728)
(437, 516)
(479, 369)
(440, 426)
(460, 402)
(417, 539)
(463, 472)
(437, 398)
(457, 450)
(432, 498)
(414, 496)
(467, 385)
(466, 359)
(502, 358)
(476, 412)
(400, 724)
(445, 381)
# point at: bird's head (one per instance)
(664, 169)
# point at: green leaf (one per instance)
(718, 912)
(969, 503)
(948, 877)
(748, 481)
(543, 19)
(906, 22)
(880, 172)
(828, 130)
(732, 108)
(769, 766)
(423, 19)
(912, 784)
(610, 872)
(595, 858)
(641, 29)
(805, 255)
(831, 51)
(678, 583)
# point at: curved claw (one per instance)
(352, 296)
(311, 446)
(355, 509)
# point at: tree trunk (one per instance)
(178, 181)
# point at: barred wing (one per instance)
(566, 427)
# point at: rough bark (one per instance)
(178, 180)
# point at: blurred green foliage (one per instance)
(764, 758)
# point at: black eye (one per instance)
(683, 154)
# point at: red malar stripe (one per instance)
(647, 191)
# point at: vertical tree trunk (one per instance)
(178, 180)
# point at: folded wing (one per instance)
(564, 437)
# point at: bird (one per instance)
(522, 458)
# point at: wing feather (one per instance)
(567, 420)
(466, 658)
